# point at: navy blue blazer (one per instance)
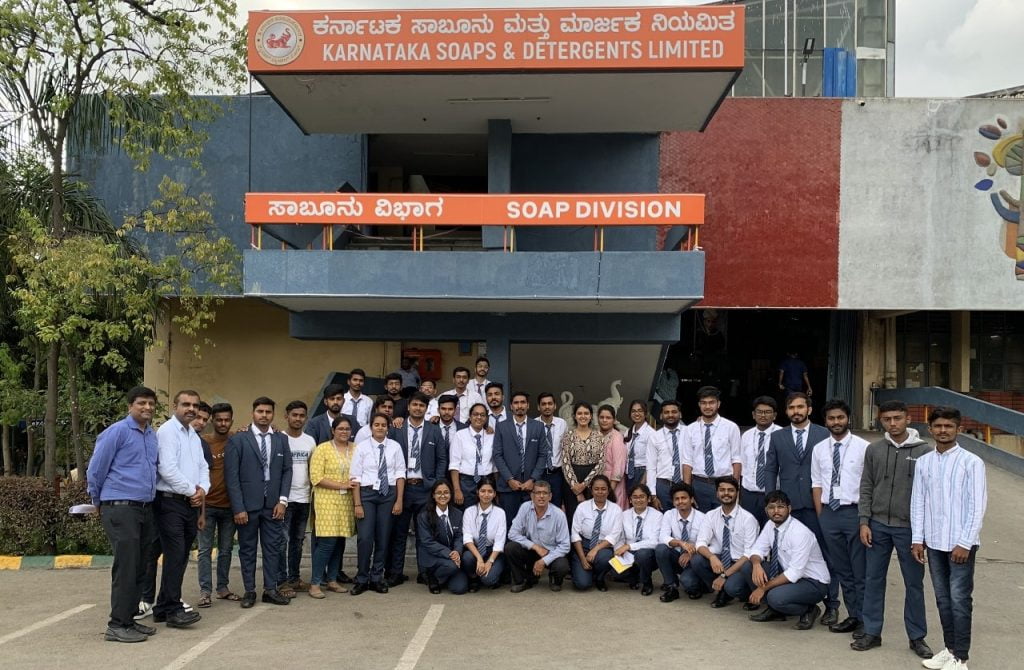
(433, 455)
(506, 453)
(432, 548)
(243, 471)
(319, 427)
(786, 470)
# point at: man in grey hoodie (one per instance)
(884, 510)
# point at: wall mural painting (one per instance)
(1006, 155)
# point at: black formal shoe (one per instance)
(343, 578)
(474, 585)
(395, 581)
(122, 634)
(358, 588)
(647, 590)
(921, 648)
(159, 618)
(421, 578)
(830, 617)
(694, 595)
(806, 621)
(519, 588)
(858, 632)
(600, 585)
(144, 629)
(767, 614)
(248, 600)
(749, 607)
(721, 600)
(182, 619)
(433, 587)
(634, 586)
(866, 642)
(556, 584)
(274, 598)
(666, 587)
(379, 587)
(847, 625)
(670, 595)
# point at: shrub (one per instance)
(34, 520)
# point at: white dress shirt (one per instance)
(502, 416)
(661, 450)
(462, 456)
(650, 529)
(465, 401)
(414, 468)
(799, 553)
(672, 525)
(497, 527)
(558, 428)
(743, 532)
(366, 463)
(948, 500)
(749, 452)
(180, 463)
(851, 466)
(478, 388)
(585, 516)
(725, 447)
(360, 410)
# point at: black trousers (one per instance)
(130, 530)
(176, 522)
(150, 557)
(521, 562)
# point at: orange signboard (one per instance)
(605, 38)
(419, 209)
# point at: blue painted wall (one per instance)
(282, 159)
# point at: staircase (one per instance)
(456, 239)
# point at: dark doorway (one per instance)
(739, 350)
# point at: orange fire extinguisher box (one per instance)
(428, 362)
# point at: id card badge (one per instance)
(412, 463)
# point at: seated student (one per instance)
(439, 541)
(538, 539)
(593, 531)
(786, 570)
(677, 544)
(638, 534)
(472, 457)
(722, 546)
(484, 531)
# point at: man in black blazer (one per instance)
(319, 427)
(258, 475)
(518, 455)
(788, 462)
(427, 461)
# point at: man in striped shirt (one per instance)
(947, 505)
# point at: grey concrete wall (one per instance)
(918, 227)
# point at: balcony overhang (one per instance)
(635, 69)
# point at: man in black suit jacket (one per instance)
(258, 475)
(319, 427)
(427, 461)
(518, 455)
(788, 462)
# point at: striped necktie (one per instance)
(800, 443)
(382, 473)
(774, 566)
(762, 472)
(638, 534)
(521, 443)
(481, 537)
(833, 494)
(414, 451)
(595, 535)
(479, 458)
(677, 474)
(684, 530)
(549, 456)
(726, 556)
(631, 463)
(709, 454)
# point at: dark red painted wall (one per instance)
(770, 170)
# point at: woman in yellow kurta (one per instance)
(332, 502)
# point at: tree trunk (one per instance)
(50, 420)
(8, 459)
(76, 414)
(57, 195)
(30, 433)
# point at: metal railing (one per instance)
(988, 414)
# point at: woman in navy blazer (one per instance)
(439, 541)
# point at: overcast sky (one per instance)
(944, 48)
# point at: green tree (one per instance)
(111, 72)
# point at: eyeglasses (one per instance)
(442, 494)
(478, 415)
(542, 493)
(776, 506)
(764, 412)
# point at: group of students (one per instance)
(778, 518)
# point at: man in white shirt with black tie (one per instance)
(836, 493)
(478, 384)
(495, 395)
(667, 450)
(728, 536)
(712, 449)
(464, 398)
(786, 570)
(679, 531)
(554, 428)
(753, 456)
(356, 404)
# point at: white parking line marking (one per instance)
(44, 623)
(419, 641)
(212, 639)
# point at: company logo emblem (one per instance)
(279, 40)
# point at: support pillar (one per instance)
(499, 171)
(960, 352)
(498, 354)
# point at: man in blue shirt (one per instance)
(122, 483)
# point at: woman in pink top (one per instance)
(614, 455)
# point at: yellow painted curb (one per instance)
(71, 561)
(10, 562)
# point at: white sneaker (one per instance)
(145, 609)
(954, 664)
(939, 660)
(186, 606)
